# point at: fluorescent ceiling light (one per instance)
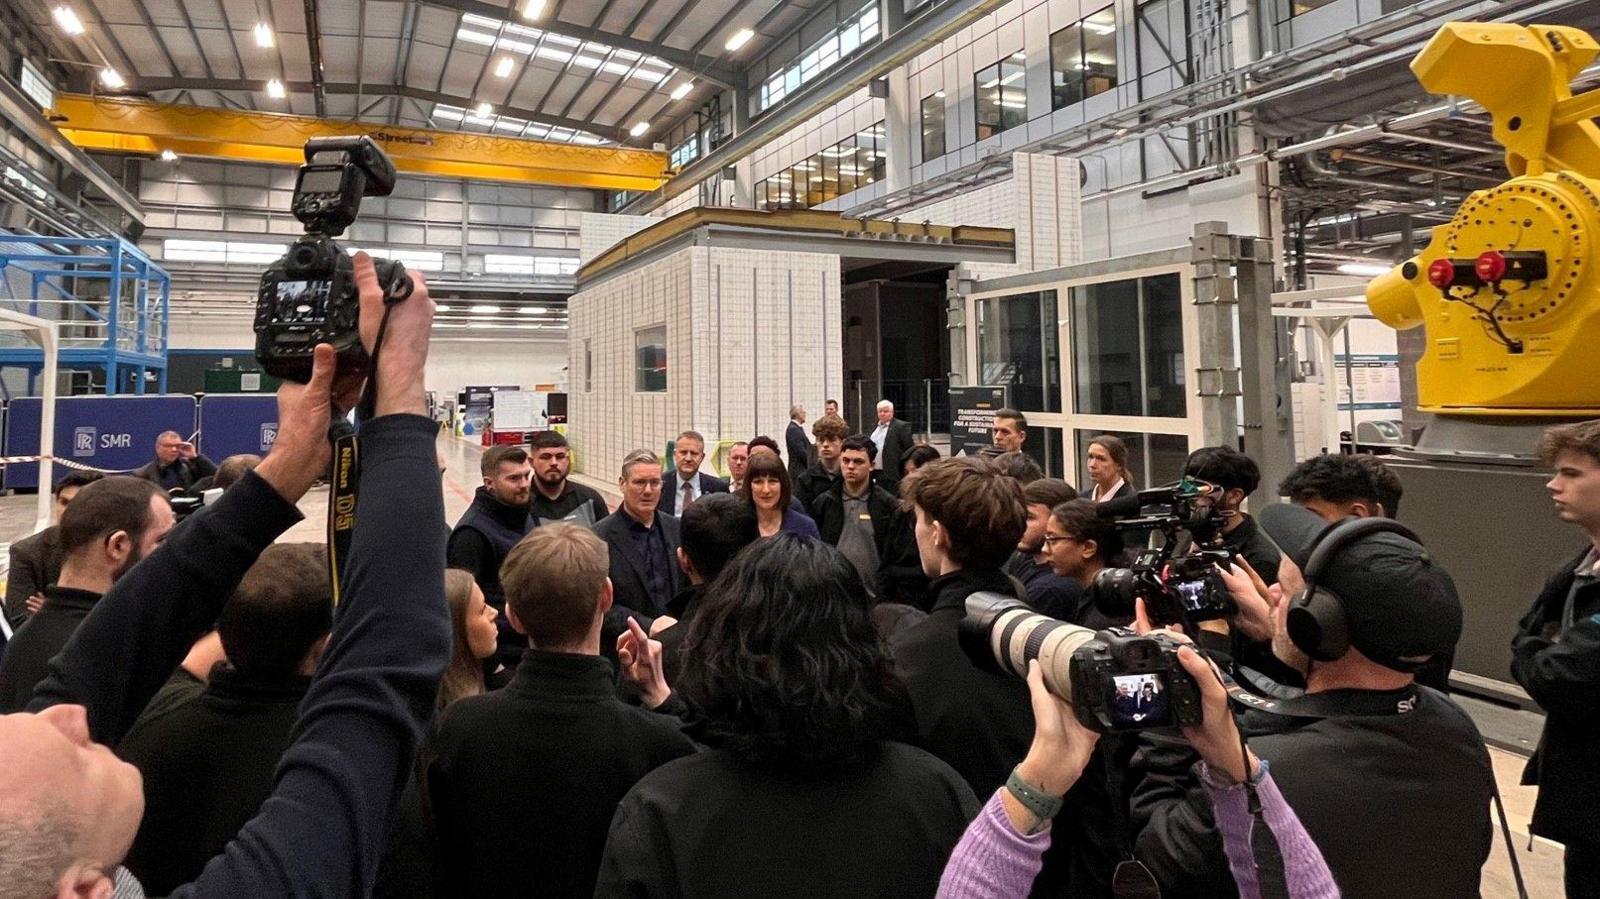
(67, 20)
(483, 110)
(739, 39)
(485, 310)
(502, 68)
(639, 128)
(1100, 27)
(275, 89)
(1363, 269)
(112, 78)
(442, 307)
(682, 90)
(169, 156)
(532, 9)
(532, 310)
(264, 35)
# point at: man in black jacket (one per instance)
(208, 762)
(36, 560)
(1389, 778)
(496, 520)
(72, 808)
(893, 437)
(686, 482)
(555, 496)
(177, 465)
(866, 524)
(643, 542)
(713, 532)
(1049, 593)
(824, 472)
(796, 444)
(537, 827)
(110, 526)
(1234, 476)
(1555, 656)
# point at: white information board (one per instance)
(521, 410)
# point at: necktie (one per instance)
(688, 496)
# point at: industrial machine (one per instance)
(1508, 293)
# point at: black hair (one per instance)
(1014, 415)
(100, 509)
(862, 443)
(713, 530)
(764, 466)
(1336, 478)
(547, 440)
(765, 441)
(1081, 519)
(921, 454)
(1225, 467)
(786, 669)
(78, 479)
(281, 608)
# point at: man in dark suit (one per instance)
(796, 444)
(36, 560)
(892, 437)
(687, 483)
(177, 465)
(644, 545)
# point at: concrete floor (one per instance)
(1541, 866)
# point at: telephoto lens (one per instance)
(1001, 633)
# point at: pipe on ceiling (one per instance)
(314, 47)
(1340, 155)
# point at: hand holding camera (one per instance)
(1251, 599)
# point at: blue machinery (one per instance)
(121, 330)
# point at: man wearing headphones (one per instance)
(1391, 779)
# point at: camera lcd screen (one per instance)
(302, 301)
(1193, 593)
(1140, 701)
(321, 181)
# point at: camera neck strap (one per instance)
(346, 474)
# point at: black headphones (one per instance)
(1316, 618)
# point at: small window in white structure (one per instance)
(588, 367)
(1002, 96)
(650, 359)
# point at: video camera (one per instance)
(309, 296)
(1103, 675)
(1177, 578)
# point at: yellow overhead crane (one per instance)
(126, 125)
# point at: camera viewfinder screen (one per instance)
(1140, 701)
(321, 181)
(302, 302)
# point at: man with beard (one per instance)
(497, 519)
(110, 525)
(555, 498)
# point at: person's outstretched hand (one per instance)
(1253, 617)
(302, 452)
(404, 353)
(1061, 745)
(1216, 738)
(640, 660)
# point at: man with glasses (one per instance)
(555, 497)
(643, 542)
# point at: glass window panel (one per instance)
(1136, 456)
(650, 359)
(1018, 347)
(987, 83)
(1066, 66)
(933, 126)
(1165, 393)
(829, 162)
(849, 166)
(1013, 92)
(1154, 459)
(1100, 52)
(1105, 348)
(1167, 455)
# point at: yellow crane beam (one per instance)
(125, 125)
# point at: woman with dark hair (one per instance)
(916, 457)
(473, 635)
(1109, 477)
(802, 793)
(766, 486)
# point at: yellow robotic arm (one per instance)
(1509, 289)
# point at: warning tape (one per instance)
(66, 463)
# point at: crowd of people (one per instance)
(757, 685)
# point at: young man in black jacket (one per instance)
(713, 531)
(864, 521)
(1555, 656)
(823, 472)
(1390, 779)
(208, 762)
(537, 827)
(555, 496)
(36, 560)
(498, 517)
(110, 526)
(72, 808)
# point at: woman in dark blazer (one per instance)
(1109, 477)
(766, 486)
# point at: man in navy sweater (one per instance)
(70, 808)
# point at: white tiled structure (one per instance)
(1040, 202)
(729, 314)
(598, 232)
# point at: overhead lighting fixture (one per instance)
(442, 307)
(502, 69)
(639, 128)
(275, 89)
(532, 9)
(532, 310)
(112, 78)
(483, 110)
(739, 39)
(682, 90)
(1363, 269)
(485, 310)
(67, 20)
(264, 38)
(168, 156)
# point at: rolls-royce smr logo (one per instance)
(83, 441)
(269, 436)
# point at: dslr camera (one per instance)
(1174, 573)
(1116, 680)
(309, 296)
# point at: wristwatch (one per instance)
(1041, 804)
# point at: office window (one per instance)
(36, 86)
(686, 152)
(852, 33)
(1018, 345)
(1083, 59)
(1288, 9)
(1002, 96)
(1127, 342)
(848, 165)
(650, 359)
(933, 126)
(588, 367)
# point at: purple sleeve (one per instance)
(1305, 871)
(993, 861)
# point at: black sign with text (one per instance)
(972, 412)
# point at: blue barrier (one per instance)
(234, 423)
(110, 432)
